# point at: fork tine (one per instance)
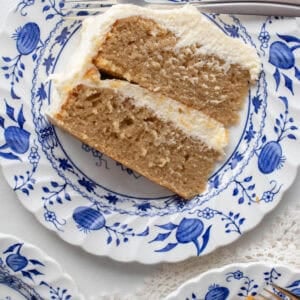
(285, 292)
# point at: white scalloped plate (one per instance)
(28, 273)
(239, 281)
(107, 209)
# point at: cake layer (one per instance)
(175, 52)
(141, 51)
(130, 131)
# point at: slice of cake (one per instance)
(178, 53)
(180, 82)
(166, 141)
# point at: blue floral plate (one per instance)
(28, 273)
(107, 209)
(239, 281)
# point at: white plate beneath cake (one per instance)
(107, 209)
(28, 273)
(239, 281)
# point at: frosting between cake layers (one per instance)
(192, 122)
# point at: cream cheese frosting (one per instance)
(190, 121)
(187, 23)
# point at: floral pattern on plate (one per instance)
(239, 281)
(108, 209)
(27, 273)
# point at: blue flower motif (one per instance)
(46, 133)
(112, 199)
(48, 62)
(207, 213)
(250, 133)
(264, 37)
(89, 185)
(238, 275)
(256, 101)
(232, 30)
(237, 157)
(41, 93)
(143, 207)
(34, 156)
(64, 164)
(61, 39)
(267, 196)
(50, 216)
(86, 148)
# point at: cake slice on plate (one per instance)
(179, 82)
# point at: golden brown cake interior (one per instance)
(135, 137)
(141, 51)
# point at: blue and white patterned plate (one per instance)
(28, 273)
(107, 209)
(239, 281)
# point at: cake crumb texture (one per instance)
(136, 137)
(141, 51)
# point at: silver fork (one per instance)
(80, 8)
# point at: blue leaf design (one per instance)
(46, 8)
(241, 221)
(288, 83)
(54, 184)
(117, 242)
(5, 68)
(27, 274)
(236, 216)
(294, 127)
(22, 66)
(144, 233)
(25, 191)
(49, 17)
(20, 73)
(167, 248)
(109, 240)
(264, 139)
(248, 179)
(276, 76)
(289, 38)
(36, 262)
(10, 112)
(241, 200)
(277, 121)
(13, 94)
(291, 136)
(235, 192)
(1, 122)
(168, 226)
(294, 284)
(297, 73)
(205, 240)
(6, 58)
(45, 189)
(161, 237)
(12, 248)
(251, 187)
(67, 197)
(9, 156)
(35, 272)
(284, 100)
(21, 119)
(30, 186)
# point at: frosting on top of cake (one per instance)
(188, 25)
(192, 122)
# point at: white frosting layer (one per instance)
(190, 121)
(187, 23)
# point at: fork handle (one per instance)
(251, 8)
